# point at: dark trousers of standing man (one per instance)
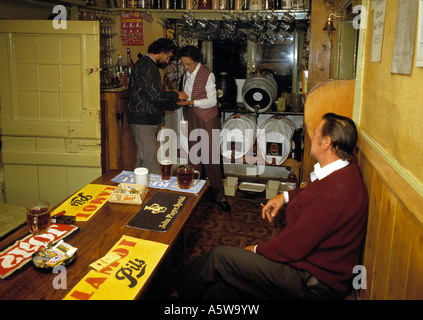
(235, 273)
(146, 139)
(211, 162)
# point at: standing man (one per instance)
(314, 255)
(147, 101)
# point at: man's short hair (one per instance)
(164, 45)
(343, 134)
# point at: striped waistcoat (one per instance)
(199, 92)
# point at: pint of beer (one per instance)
(185, 176)
(38, 216)
(166, 167)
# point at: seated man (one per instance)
(314, 255)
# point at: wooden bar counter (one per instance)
(94, 240)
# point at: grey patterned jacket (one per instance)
(146, 97)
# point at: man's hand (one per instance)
(271, 209)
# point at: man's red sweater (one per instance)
(325, 228)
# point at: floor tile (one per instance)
(210, 226)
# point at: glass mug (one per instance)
(185, 176)
(38, 216)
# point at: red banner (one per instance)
(131, 28)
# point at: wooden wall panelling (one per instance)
(412, 200)
(372, 234)
(386, 205)
(118, 144)
(393, 252)
(400, 252)
(128, 145)
(414, 284)
(367, 172)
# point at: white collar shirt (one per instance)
(320, 173)
(189, 81)
(210, 87)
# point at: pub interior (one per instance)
(63, 97)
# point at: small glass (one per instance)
(38, 216)
(166, 167)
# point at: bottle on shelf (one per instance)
(132, 4)
(121, 70)
(142, 4)
(291, 182)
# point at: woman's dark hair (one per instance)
(343, 134)
(191, 52)
(162, 45)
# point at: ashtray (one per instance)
(129, 193)
(54, 255)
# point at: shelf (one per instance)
(77, 2)
(241, 109)
(218, 14)
(299, 14)
(289, 162)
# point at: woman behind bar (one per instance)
(200, 111)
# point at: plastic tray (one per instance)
(252, 187)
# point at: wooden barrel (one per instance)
(226, 89)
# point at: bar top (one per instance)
(114, 89)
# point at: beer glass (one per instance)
(165, 166)
(185, 176)
(38, 216)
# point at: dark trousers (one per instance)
(235, 273)
(210, 158)
(146, 140)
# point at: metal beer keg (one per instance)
(259, 91)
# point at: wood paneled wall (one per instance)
(393, 252)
